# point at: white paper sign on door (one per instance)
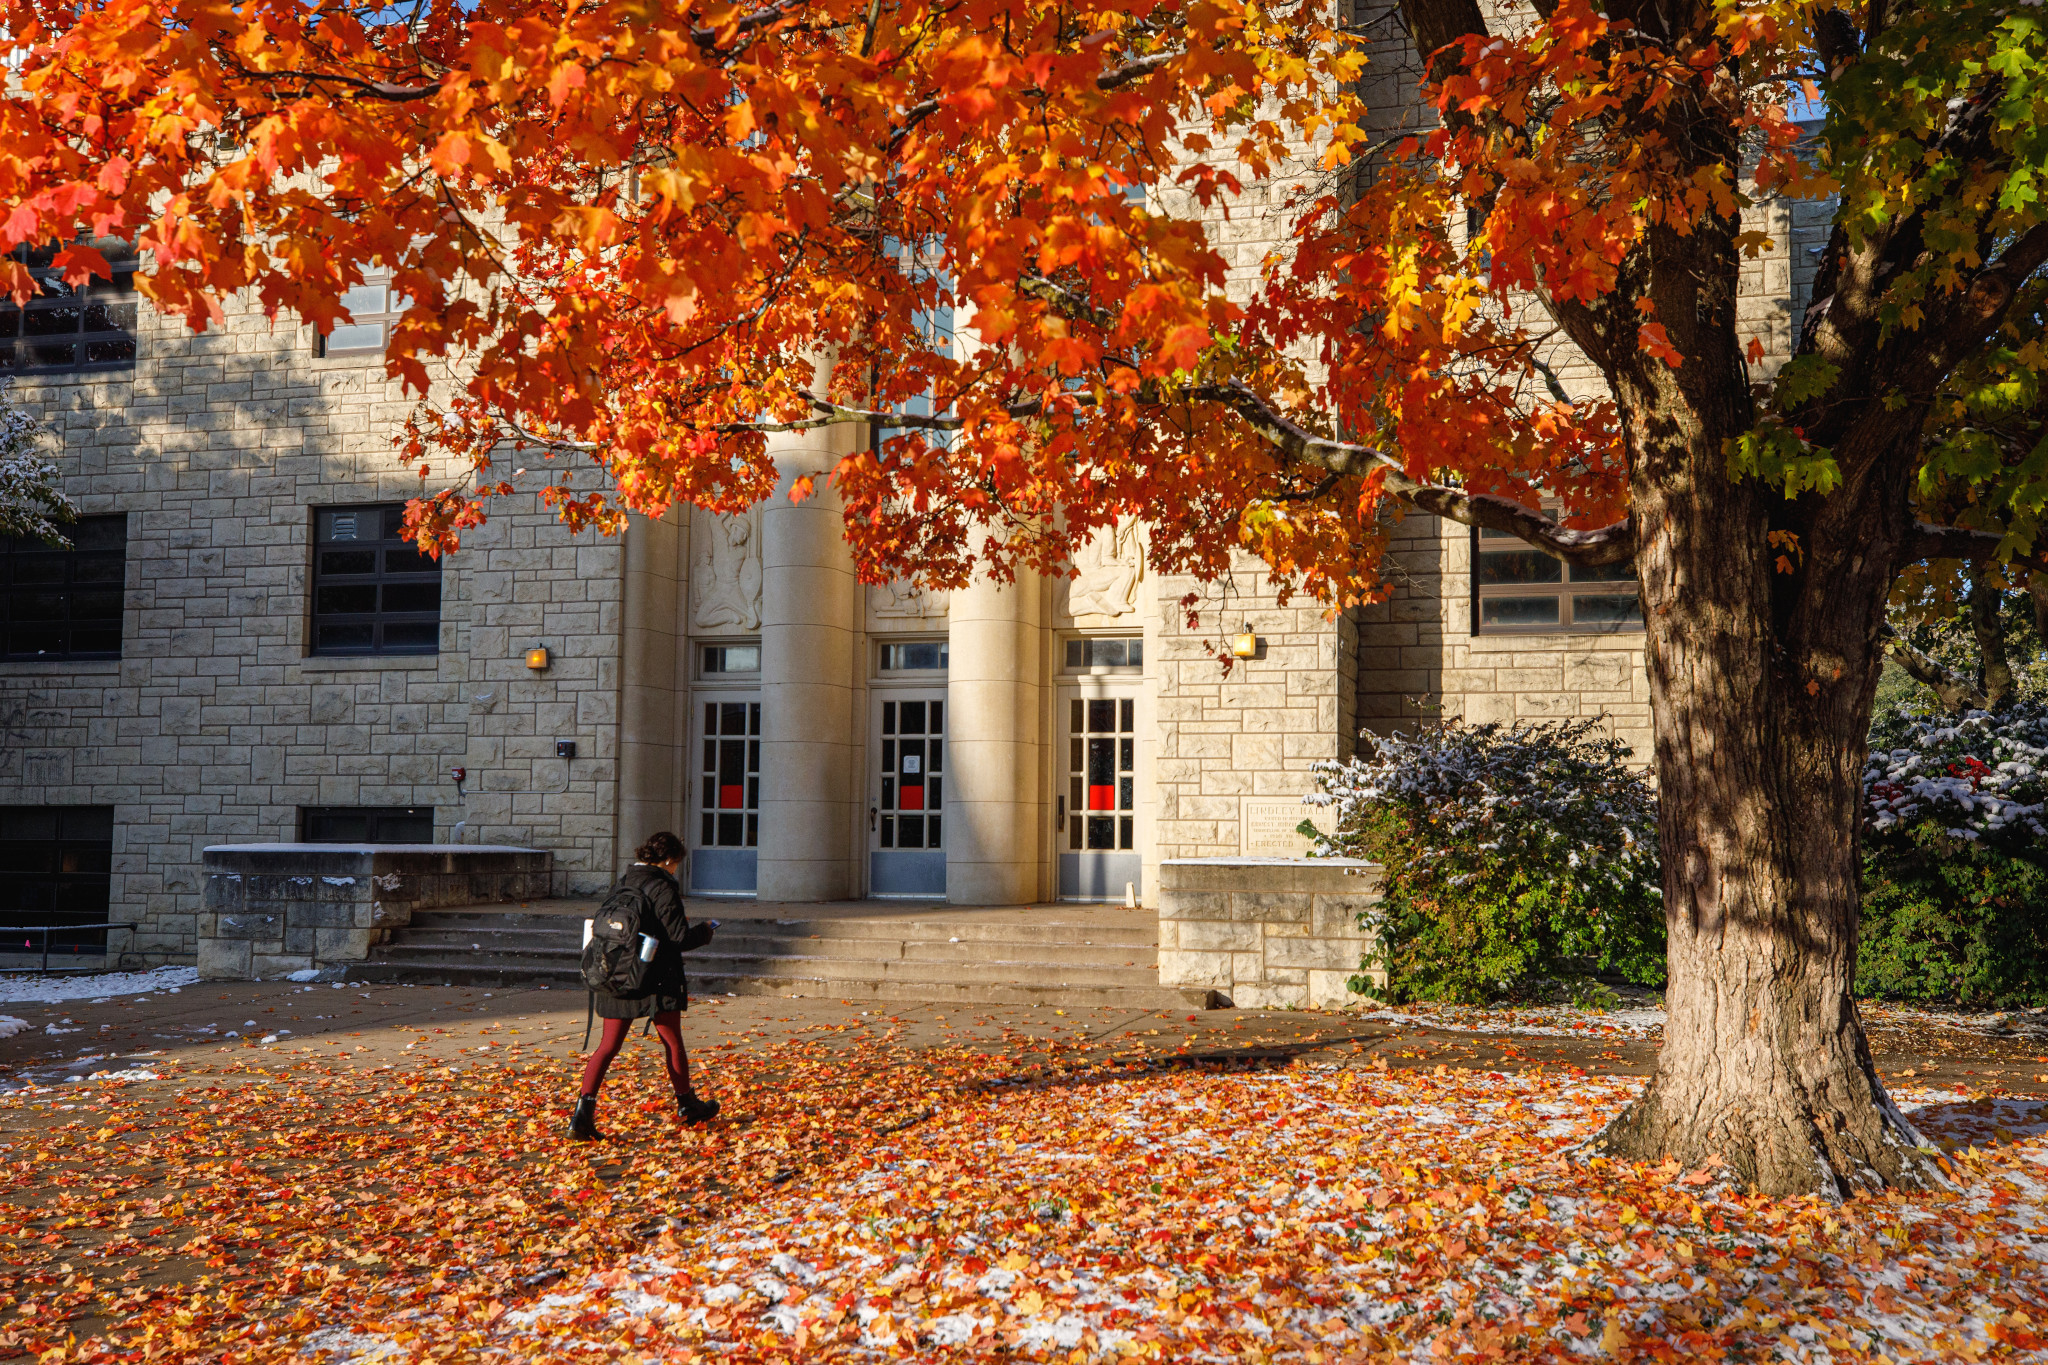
(912, 765)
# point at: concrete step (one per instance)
(452, 945)
(917, 969)
(963, 957)
(1059, 994)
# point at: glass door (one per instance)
(1095, 808)
(727, 795)
(907, 795)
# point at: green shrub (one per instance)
(1517, 858)
(1955, 859)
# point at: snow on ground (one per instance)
(1542, 1021)
(1308, 1215)
(100, 985)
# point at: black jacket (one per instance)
(677, 936)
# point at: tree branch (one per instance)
(1928, 541)
(1112, 79)
(1955, 692)
(1612, 544)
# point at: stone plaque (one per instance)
(1269, 826)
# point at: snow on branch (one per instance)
(31, 503)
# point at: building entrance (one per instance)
(727, 796)
(1095, 807)
(907, 795)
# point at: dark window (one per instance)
(913, 774)
(1518, 589)
(374, 592)
(68, 327)
(56, 864)
(367, 825)
(918, 657)
(1098, 653)
(729, 775)
(64, 604)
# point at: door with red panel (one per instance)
(907, 794)
(726, 794)
(1095, 801)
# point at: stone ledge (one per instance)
(269, 910)
(1275, 933)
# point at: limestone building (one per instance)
(239, 648)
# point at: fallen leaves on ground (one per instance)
(867, 1201)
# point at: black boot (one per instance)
(583, 1123)
(695, 1110)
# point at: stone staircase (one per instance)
(1072, 956)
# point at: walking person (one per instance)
(639, 975)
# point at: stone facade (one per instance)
(1421, 661)
(217, 723)
(1268, 933)
(1253, 731)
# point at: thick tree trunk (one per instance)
(1761, 686)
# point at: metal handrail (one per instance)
(48, 929)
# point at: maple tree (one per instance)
(657, 236)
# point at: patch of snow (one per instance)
(49, 989)
(9, 1025)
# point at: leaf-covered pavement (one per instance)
(870, 1200)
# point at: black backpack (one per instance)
(611, 960)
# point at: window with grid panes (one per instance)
(730, 773)
(64, 604)
(1518, 589)
(56, 867)
(69, 328)
(374, 591)
(913, 784)
(374, 308)
(1102, 774)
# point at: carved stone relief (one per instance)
(725, 571)
(1108, 569)
(904, 600)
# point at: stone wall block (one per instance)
(1218, 936)
(1281, 907)
(343, 945)
(224, 959)
(1210, 971)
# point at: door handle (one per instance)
(1062, 810)
(871, 819)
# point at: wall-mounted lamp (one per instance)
(1245, 645)
(537, 657)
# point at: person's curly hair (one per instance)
(659, 848)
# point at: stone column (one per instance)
(653, 686)
(810, 738)
(995, 811)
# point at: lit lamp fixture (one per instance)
(537, 657)
(1244, 644)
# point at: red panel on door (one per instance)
(733, 797)
(1102, 798)
(910, 798)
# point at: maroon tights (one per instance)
(667, 1027)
